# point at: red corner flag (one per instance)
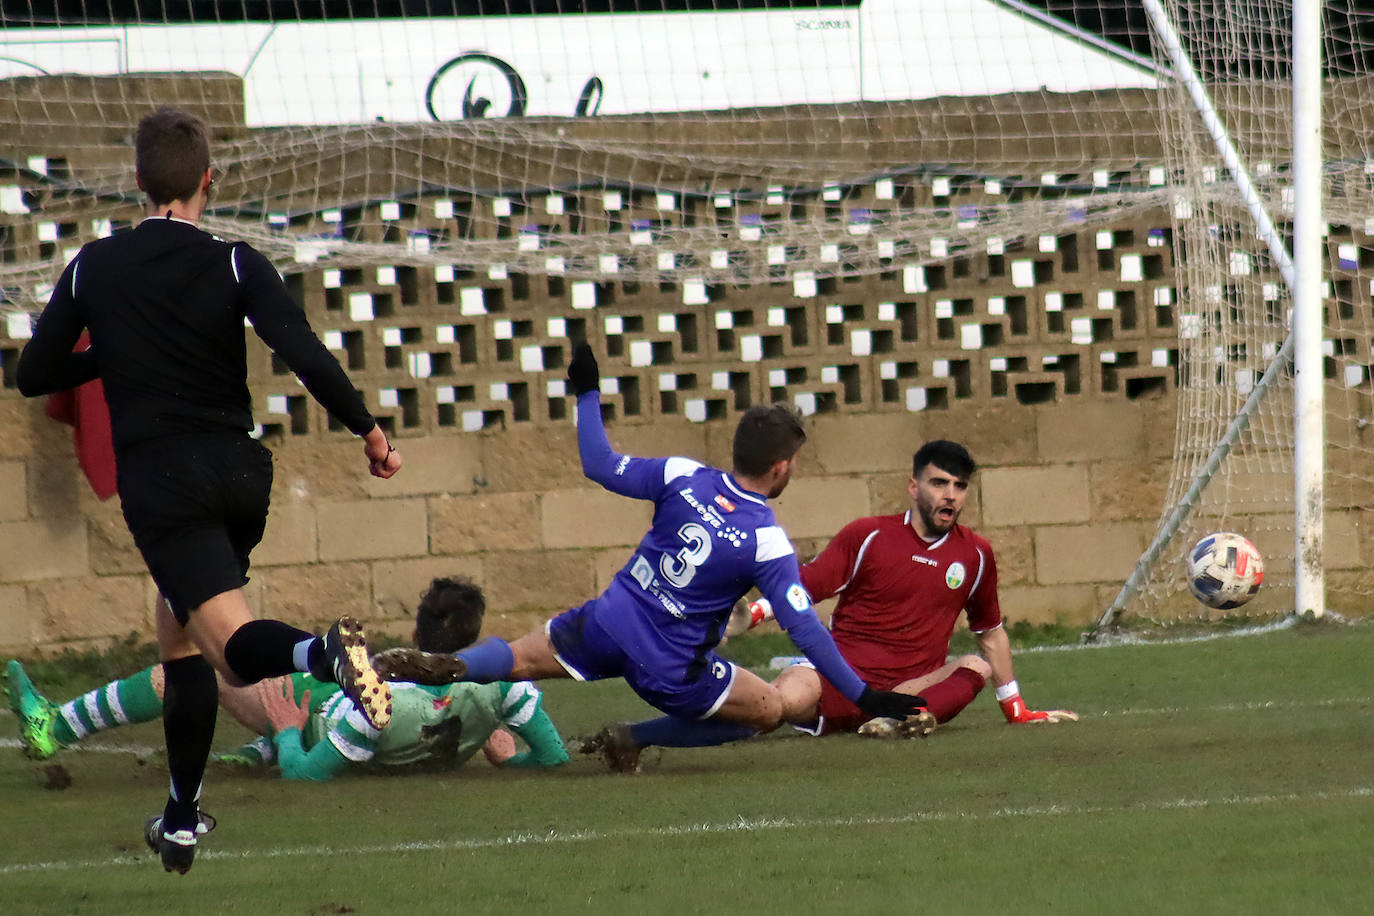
(84, 408)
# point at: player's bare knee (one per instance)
(977, 664)
(770, 712)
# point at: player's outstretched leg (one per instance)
(617, 747)
(406, 664)
(915, 726)
(177, 849)
(490, 660)
(36, 714)
(345, 655)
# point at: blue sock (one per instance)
(671, 731)
(489, 660)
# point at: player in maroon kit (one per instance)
(902, 581)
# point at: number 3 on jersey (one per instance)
(682, 566)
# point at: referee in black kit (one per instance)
(165, 305)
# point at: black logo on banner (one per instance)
(481, 98)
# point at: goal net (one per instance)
(741, 200)
(1235, 305)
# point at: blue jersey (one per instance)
(710, 542)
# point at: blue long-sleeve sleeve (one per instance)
(640, 478)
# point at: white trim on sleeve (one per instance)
(858, 560)
(676, 467)
(770, 543)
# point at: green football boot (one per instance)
(256, 753)
(35, 712)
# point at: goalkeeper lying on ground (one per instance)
(314, 730)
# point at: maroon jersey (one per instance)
(900, 596)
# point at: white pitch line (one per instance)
(739, 825)
(1252, 706)
(92, 747)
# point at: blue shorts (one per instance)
(690, 685)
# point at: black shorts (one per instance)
(196, 506)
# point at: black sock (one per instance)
(189, 703)
(263, 648)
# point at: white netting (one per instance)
(723, 132)
(1235, 310)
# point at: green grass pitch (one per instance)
(1227, 776)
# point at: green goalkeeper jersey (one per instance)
(446, 724)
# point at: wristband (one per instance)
(759, 611)
(1007, 691)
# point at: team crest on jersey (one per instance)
(797, 597)
(954, 576)
(442, 703)
(724, 503)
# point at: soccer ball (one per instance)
(1224, 570)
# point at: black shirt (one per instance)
(165, 304)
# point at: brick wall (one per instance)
(513, 512)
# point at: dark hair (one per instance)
(171, 154)
(449, 616)
(765, 436)
(950, 457)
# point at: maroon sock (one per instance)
(946, 699)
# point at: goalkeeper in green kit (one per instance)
(311, 729)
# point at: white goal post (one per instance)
(1302, 272)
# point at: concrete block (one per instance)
(1069, 604)
(1128, 489)
(19, 418)
(111, 545)
(1160, 423)
(1266, 488)
(14, 495)
(881, 442)
(1360, 534)
(720, 441)
(887, 493)
(55, 484)
(1067, 554)
(820, 506)
(311, 470)
(664, 437)
(1038, 496)
(91, 606)
(607, 563)
(433, 464)
(592, 518)
(18, 629)
(314, 596)
(533, 459)
(49, 548)
(993, 434)
(291, 536)
(483, 521)
(538, 582)
(1014, 549)
(1084, 430)
(372, 529)
(398, 584)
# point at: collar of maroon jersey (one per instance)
(925, 545)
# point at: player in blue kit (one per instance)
(657, 626)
